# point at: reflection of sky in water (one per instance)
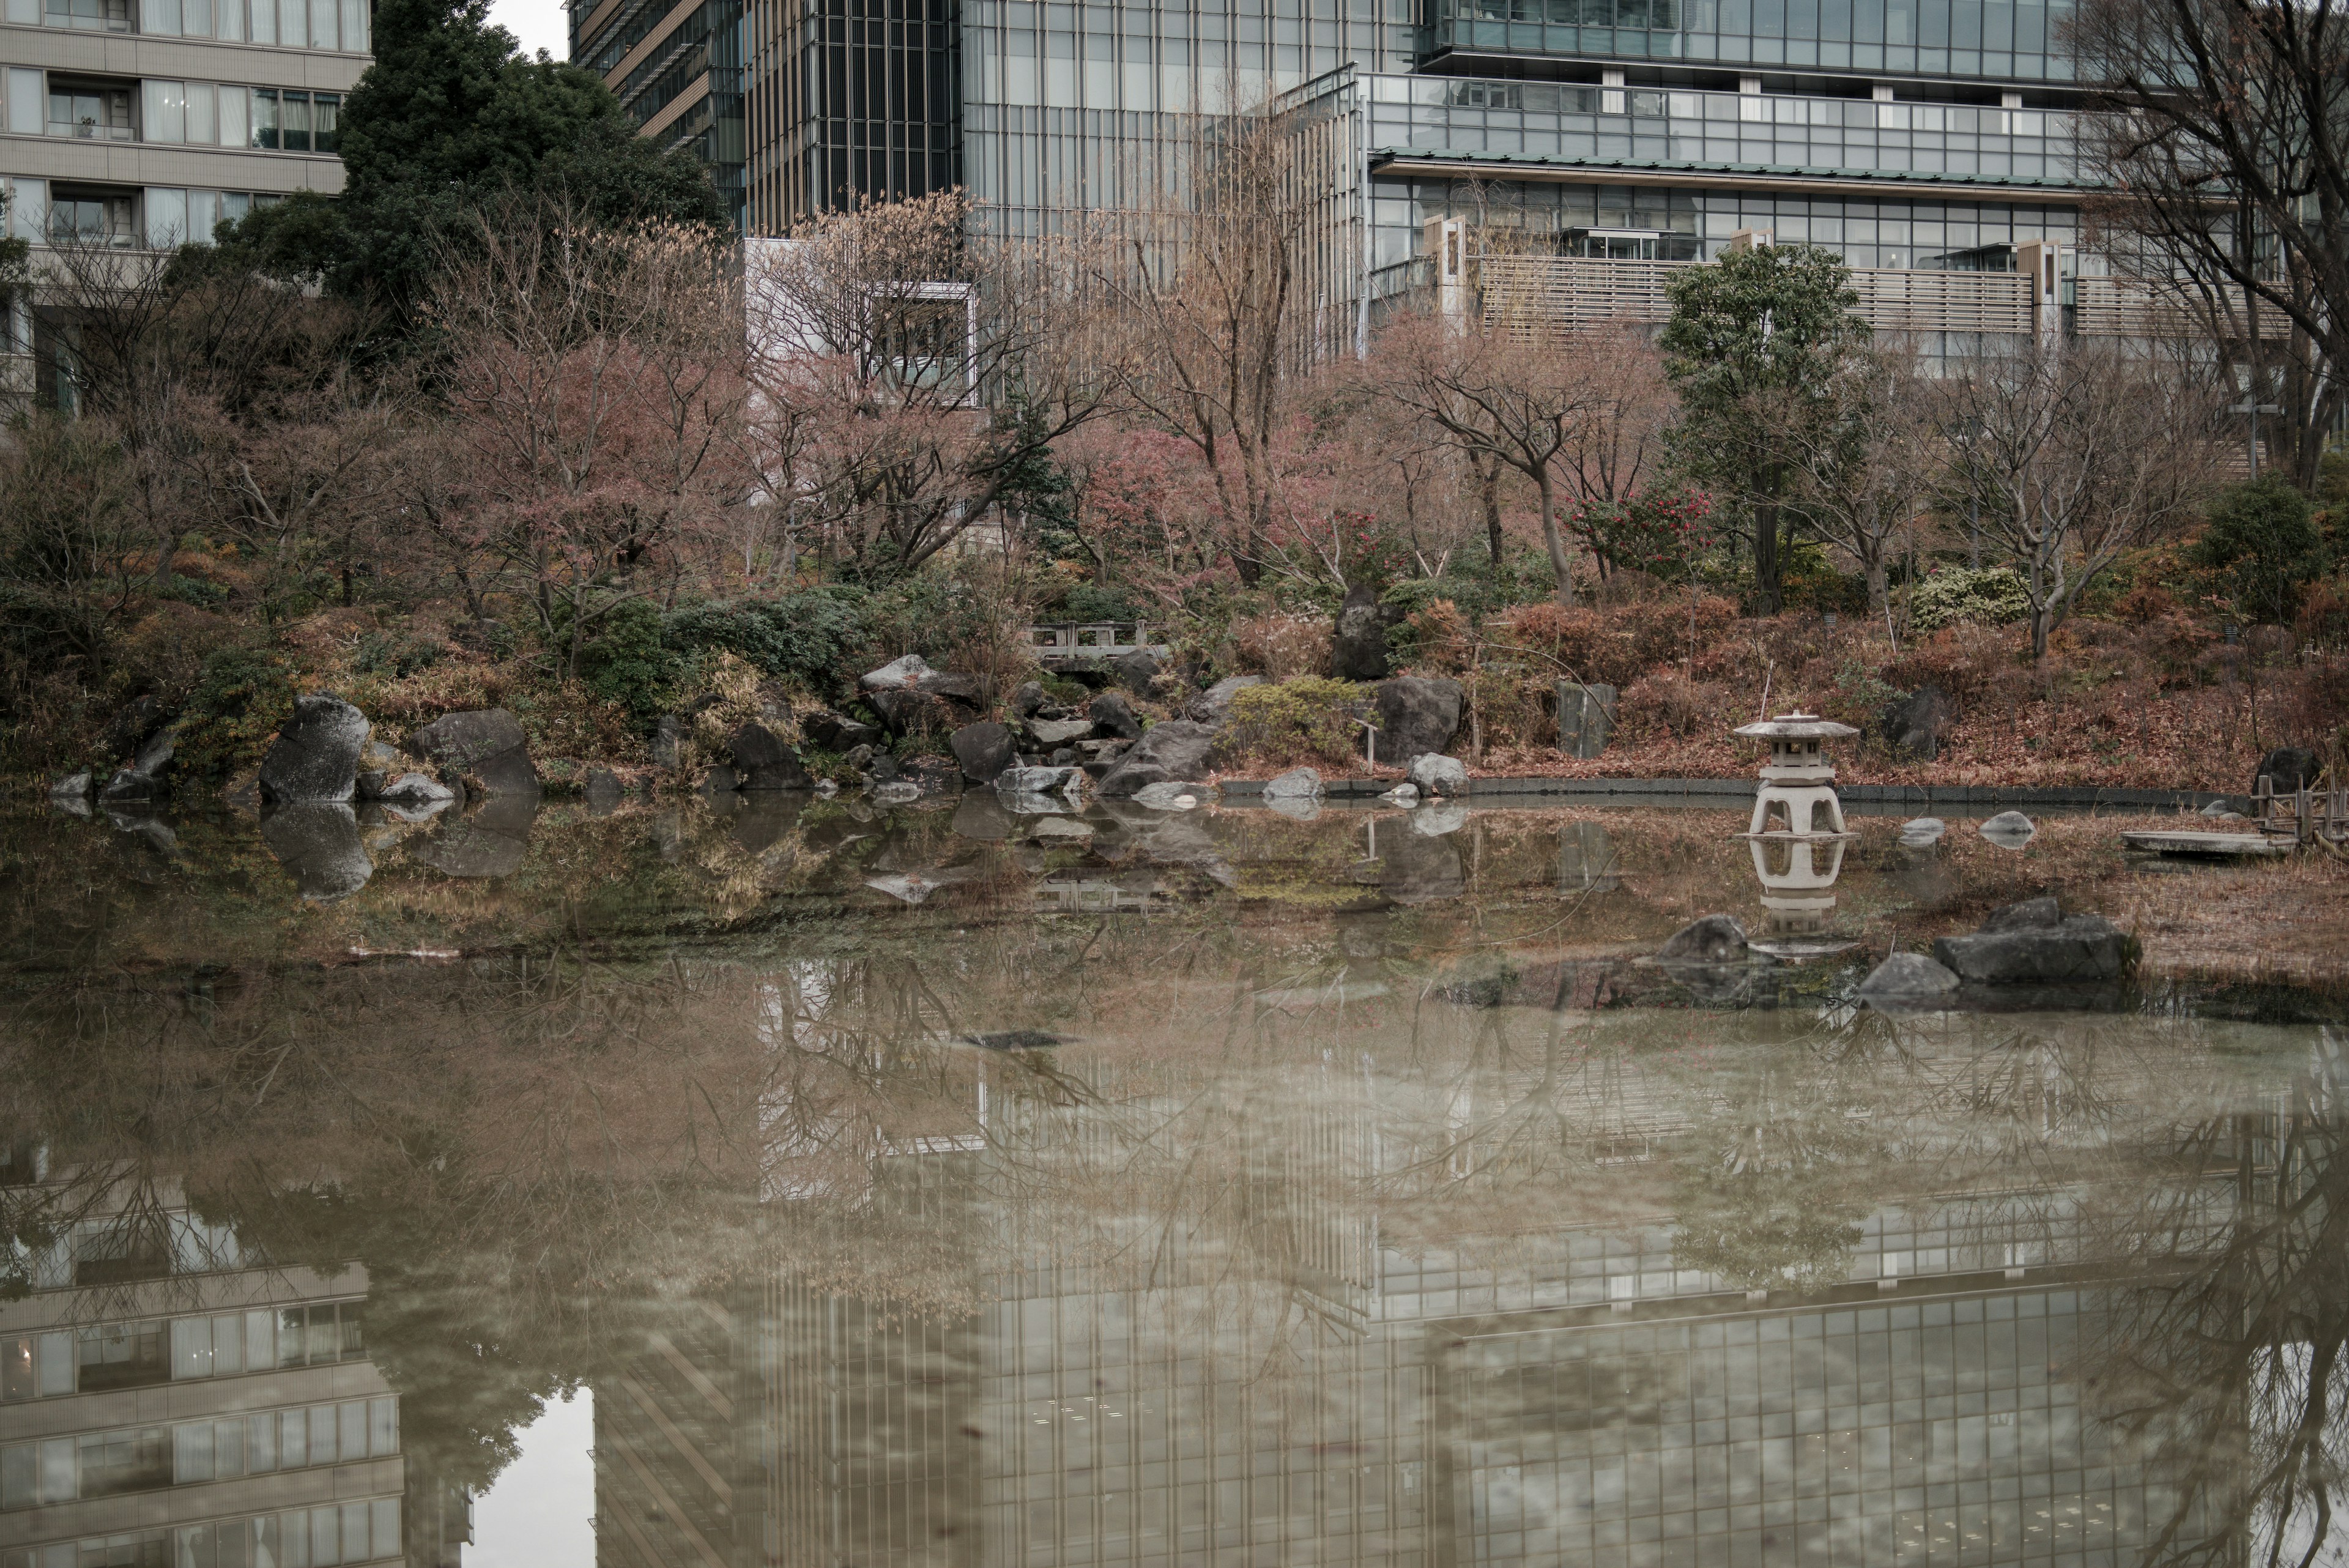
(540, 1512)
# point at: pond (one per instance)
(962, 1184)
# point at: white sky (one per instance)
(537, 1513)
(539, 24)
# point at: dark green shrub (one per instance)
(2263, 542)
(806, 634)
(238, 702)
(627, 661)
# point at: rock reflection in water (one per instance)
(317, 842)
(491, 840)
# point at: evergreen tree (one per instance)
(1753, 347)
(451, 118)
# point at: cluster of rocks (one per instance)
(2030, 944)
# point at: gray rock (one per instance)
(1170, 795)
(668, 741)
(716, 780)
(2009, 830)
(1908, 974)
(1038, 780)
(1065, 757)
(143, 779)
(2220, 808)
(1297, 783)
(1913, 726)
(1028, 700)
(317, 842)
(1135, 671)
(485, 743)
(415, 789)
(1175, 751)
(1586, 718)
(1051, 733)
(70, 787)
(836, 732)
(1433, 773)
(1213, 705)
(1357, 643)
(603, 791)
(2287, 769)
(1113, 718)
(1919, 831)
(764, 760)
(1715, 939)
(898, 673)
(1417, 715)
(984, 750)
(316, 755)
(910, 713)
(133, 727)
(1404, 795)
(913, 673)
(374, 757)
(2034, 943)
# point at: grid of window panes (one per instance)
(338, 25)
(2003, 39)
(1068, 106)
(95, 1357)
(333, 1535)
(1870, 231)
(189, 1453)
(1559, 120)
(201, 114)
(1920, 1434)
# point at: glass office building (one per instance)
(1908, 134)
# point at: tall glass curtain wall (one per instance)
(2000, 38)
(861, 98)
(687, 86)
(1076, 107)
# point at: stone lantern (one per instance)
(1798, 781)
(1797, 798)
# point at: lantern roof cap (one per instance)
(1797, 727)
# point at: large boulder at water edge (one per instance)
(2035, 943)
(486, 744)
(764, 760)
(1434, 774)
(316, 755)
(1417, 715)
(1213, 705)
(143, 779)
(1175, 751)
(984, 750)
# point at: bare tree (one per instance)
(1210, 286)
(1527, 402)
(2223, 146)
(2074, 456)
(594, 395)
(1863, 473)
(911, 374)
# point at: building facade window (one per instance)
(89, 114)
(150, 1458)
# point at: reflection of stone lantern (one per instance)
(1795, 813)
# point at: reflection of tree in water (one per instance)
(2227, 1364)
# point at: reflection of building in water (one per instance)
(1278, 1383)
(670, 1458)
(166, 1397)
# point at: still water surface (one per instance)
(955, 1186)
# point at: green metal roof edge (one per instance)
(1783, 170)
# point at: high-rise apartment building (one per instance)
(678, 68)
(143, 122)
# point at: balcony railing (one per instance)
(1561, 293)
